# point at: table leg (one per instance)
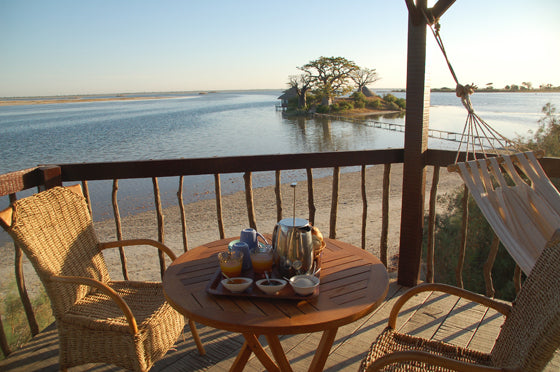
(278, 353)
(253, 342)
(241, 359)
(320, 358)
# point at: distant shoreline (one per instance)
(43, 101)
(81, 98)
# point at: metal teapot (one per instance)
(292, 242)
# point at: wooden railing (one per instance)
(48, 176)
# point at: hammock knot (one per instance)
(463, 91)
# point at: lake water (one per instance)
(223, 124)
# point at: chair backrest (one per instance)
(531, 332)
(55, 230)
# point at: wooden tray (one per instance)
(215, 287)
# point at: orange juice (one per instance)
(231, 268)
(231, 263)
(262, 261)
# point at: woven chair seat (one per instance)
(125, 323)
(97, 311)
(391, 341)
(527, 341)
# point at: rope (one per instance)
(475, 128)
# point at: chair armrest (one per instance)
(131, 242)
(106, 290)
(425, 287)
(421, 356)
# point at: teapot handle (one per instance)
(274, 237)
(262, 237)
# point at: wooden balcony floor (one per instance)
(431, 315)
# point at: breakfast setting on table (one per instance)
(287, 268)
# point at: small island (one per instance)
(335, 85)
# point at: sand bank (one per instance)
(75, 99)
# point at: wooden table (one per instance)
(353, 284)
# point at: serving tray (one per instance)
(215, 287)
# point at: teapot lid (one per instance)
(294, 222)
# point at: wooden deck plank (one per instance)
(422, 316)
(461, 323)
(487, 331)
(430, 310)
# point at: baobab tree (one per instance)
(301, 83)
(330, 76)
(362, 77)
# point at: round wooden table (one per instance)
(353, 284)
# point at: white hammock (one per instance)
(523, 214)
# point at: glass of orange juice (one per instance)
(261, 258)
(231, 263)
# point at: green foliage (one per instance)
(394, 103)
(358, 97)
(14, 319)
(547, 136)
(392, 106)
(360, 104)
(376, 105)
(322, 109)
(345, 105)
(330, 76)
(389, 98)
(479, 240)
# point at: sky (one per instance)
(114, 46)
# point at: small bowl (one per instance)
(304, 285)
(273, 287)
(237, 285)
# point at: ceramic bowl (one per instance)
(275, 285)
(304, 285)
(237, 285)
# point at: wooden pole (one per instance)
(415, 146)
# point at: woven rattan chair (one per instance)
(527, 341)
(126, 323)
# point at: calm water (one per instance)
(222, 124)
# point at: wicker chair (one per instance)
(527, 341)
(126, 323)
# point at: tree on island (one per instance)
(330, 76)
(362, 77)
(301, 83)
(326, 78)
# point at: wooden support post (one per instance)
(52, 176)
(415, 146)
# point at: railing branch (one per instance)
(383, 244)
(119, 227)
(160, 218)
(432, 226)
(183, 214)
(249, 199)
(334, 202)
(364, 205)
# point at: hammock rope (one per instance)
(476, 134)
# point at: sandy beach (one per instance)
(202, 224)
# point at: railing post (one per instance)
(415, 146)
(52, 176)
